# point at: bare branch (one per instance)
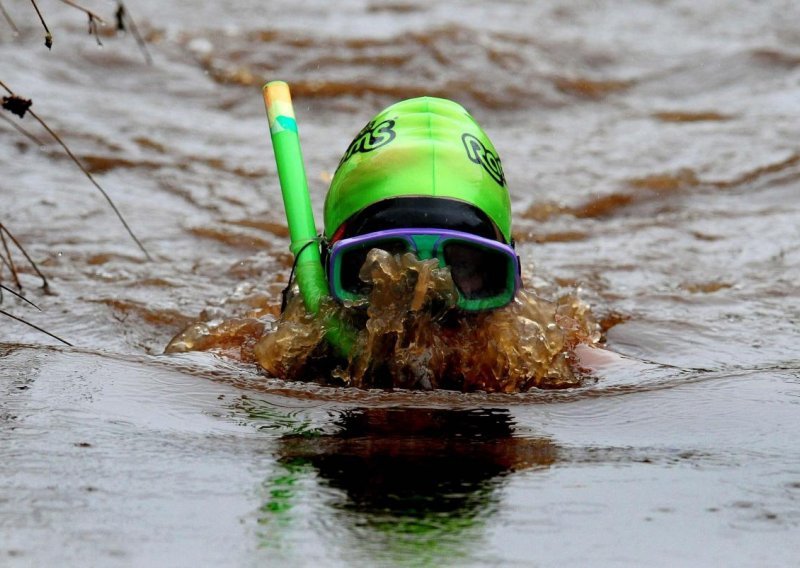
(123, 15)
(9, 261)
(8, 19)
(4, 231)
(92, 15)
(22, 131)
(18, 295)
(94, 19)
(48, 37)
(93, 29)
(97, 185)
(36, 327)
(86, 173)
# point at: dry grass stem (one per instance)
(124, 15)
(34, 326)
(48, 37)
(18, 295)
(9, 261)
(57, 138)
(22, 131)
(94, 19)
(7, 16)
(86, 11)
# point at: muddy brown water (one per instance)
(653, 155)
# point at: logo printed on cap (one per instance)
(372, 136)
(479, 154)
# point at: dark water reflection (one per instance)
(415, 462)
(429, 476)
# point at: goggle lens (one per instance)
(355, 257)
(478, 272)
(485, 272)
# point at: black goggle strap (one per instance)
(288, 288)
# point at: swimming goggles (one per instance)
(486, 272)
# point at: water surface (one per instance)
(653, 157)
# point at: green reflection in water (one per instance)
(282, 488)
(265, 416)
(409, 485)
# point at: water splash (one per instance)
(412, 337)
(233, 337)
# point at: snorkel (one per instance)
(297, 205)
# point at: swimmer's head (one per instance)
(422, 162)
(422, 176)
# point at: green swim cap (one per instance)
(423, 147)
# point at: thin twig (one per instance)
(45, 283)
(124, 14)
(93, 30)
(48, 37)
(5, 263)
(22, 131)
(36, 327)
(13, 274)
(20, 296)
(91, 179)
(86, 11)
(10, 261)
(9, 20)
(93, 19)
(86, 173)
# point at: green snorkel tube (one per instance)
(299, 216)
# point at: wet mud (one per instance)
(652, 158)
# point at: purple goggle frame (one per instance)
(486, 272)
